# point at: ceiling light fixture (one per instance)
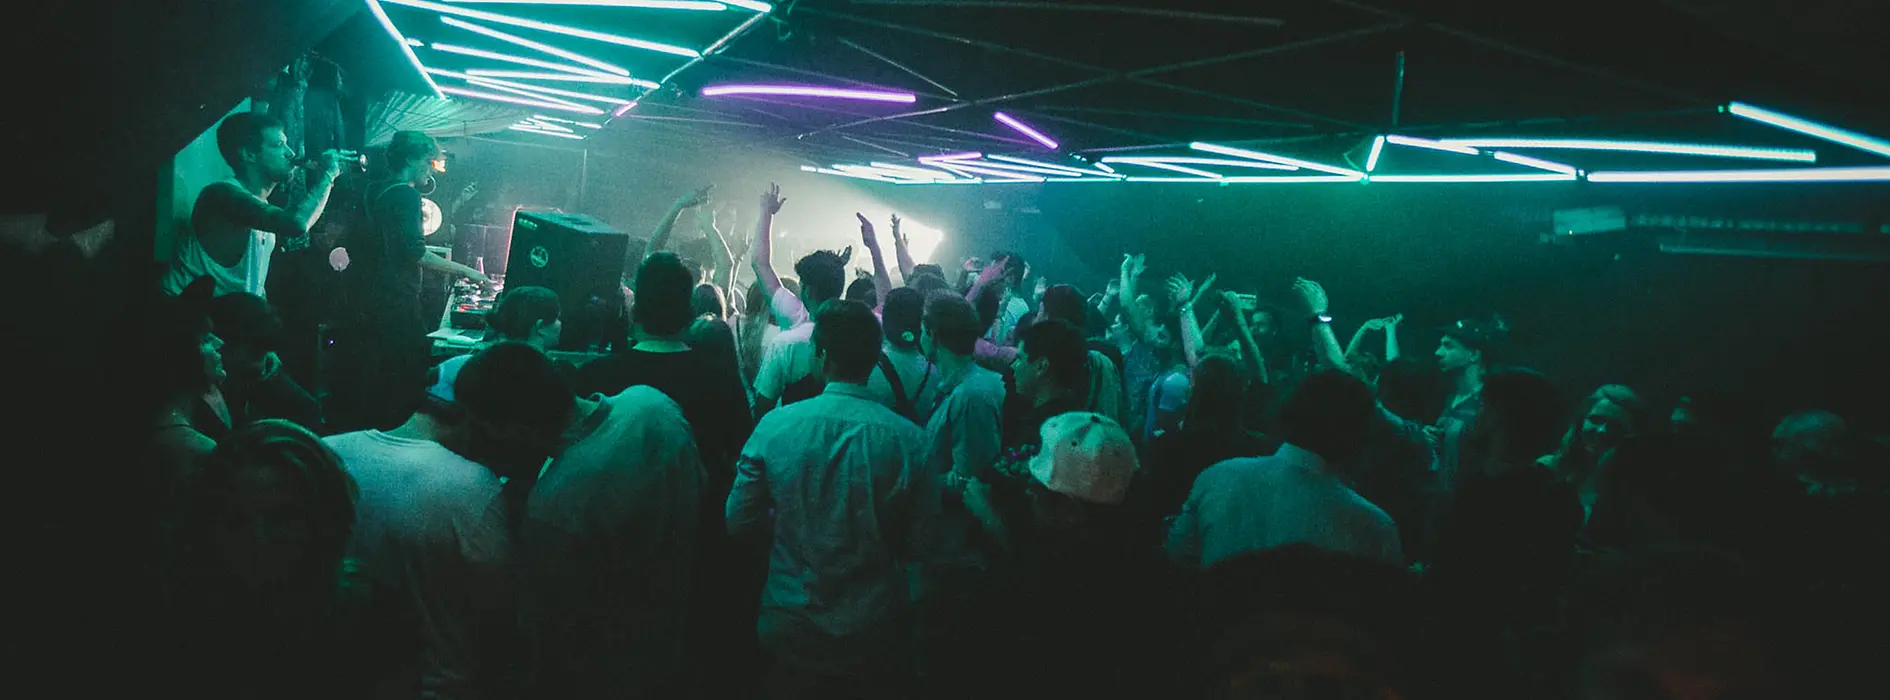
(1371, 161)
(966, 155)
(1430, 144)
(1536, 163)
(1508, 177)
(1025, 129)
(542, 132)
(914, 172)
(561, 106)
(509, 58)
(1153, 163)
(494, 83)
(1683, 149)
(1867, 174)
(587, 125)
(545, 27)
(809, 91)
(1810, 128)
(1257, 155)
(406, 46)
(761, 7)
(547, 126)
(696, 5)
(1009, 167)
(561, 77)
(536, 46)
(843, 173)
(1183, 160)
(1049, 166)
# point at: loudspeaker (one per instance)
(579, 258)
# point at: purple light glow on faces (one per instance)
(1025, 129)
(810, 91)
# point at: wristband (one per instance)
(1319, 319)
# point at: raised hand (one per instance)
(1231, 300)
(1043, 285)
(1311, 293)
(1135, 265)
(867, 236)
(771, 200)
(1180, 289)
(696, 198)
(1376, 324)
(993, 271)
(899, 239)
(1392, 321)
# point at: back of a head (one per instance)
(1217, 393)
(241, 131)
(863, 291)
(926, 284)
(1067, 304)
(929, 269)
(707, 301)
(847, 336)
(952, 323)
(715, 338)
(1527, 409)
(515, 406)
(305, 473)
(1063, 345)
(407, 148)
(1329, 414)
(754, 300)
(173, 331)
(520, 310)
(245, 320)
(664, 289)
(1015, 267)
(902, 316)
(823, 277)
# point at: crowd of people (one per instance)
(934, 482)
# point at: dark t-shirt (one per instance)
(384, 252)
(708, 388)
(1176, 457)
(1023, 423)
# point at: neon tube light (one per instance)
(1256, 155)
(1048, 166)
(1811, 128)
(697, 5)
(541, 132)
(1869, 174)
(1683, 149)
(760, 7)
(910, 172)
(547, 126)
(580, 109)
(1427, 143)
(1150, 160)
(527, 43)
(968, 155)
(1025, 129)
(1511, 177)
(557, 120)
(565, 104)
(1177, 168)
(870, 170)
(625, 109)
(561, 77)
(810, 91)
(545, 27)
(415, 42)
(1105, 168)
(1031, 169)
(1251, 180)
(406, 46)
(842, 173)
(509, 58)
(1536, 163)
(494, 82)
(1371, 161)
(1006, 175)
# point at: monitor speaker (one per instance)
(579, 258)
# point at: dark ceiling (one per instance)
(118, 86)
(1101, 76)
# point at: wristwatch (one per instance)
(1319, 318)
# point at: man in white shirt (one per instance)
(840, 486)
(787, 359)
(234, 229)
(433, 519)
(1296, 496)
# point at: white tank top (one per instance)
(248, 274)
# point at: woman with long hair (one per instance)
(1609, 416)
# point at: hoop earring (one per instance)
(427, 188)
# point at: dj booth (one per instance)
(577, 257)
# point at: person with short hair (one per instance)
(234, 230)
(438, 501)
(905, 379)
(842, 483)
(256, 387)
(1051, 374)
(1299, 494)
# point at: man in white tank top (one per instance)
(234, 229)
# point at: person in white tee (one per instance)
(234, 229)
